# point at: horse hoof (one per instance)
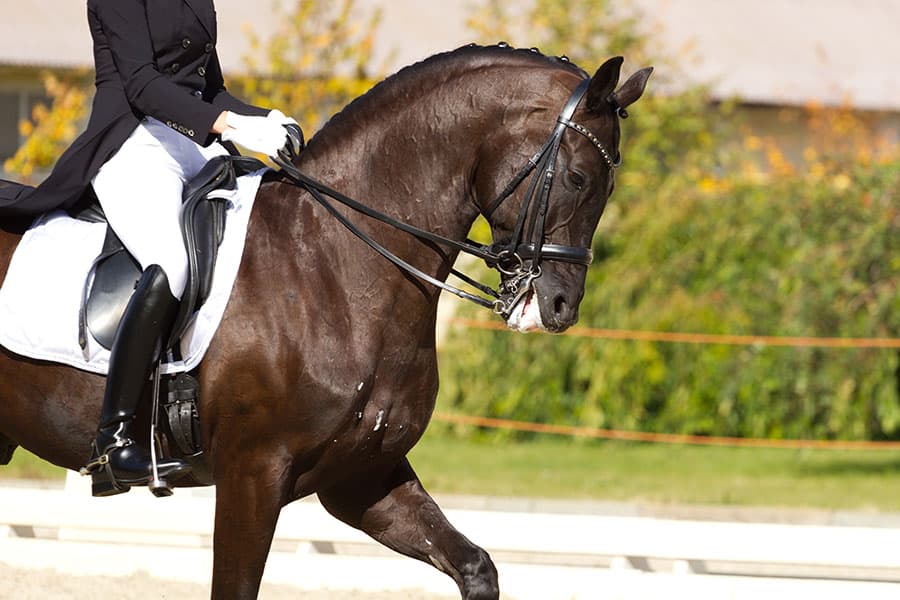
(103, 485)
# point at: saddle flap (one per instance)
(203, 227)
(116, 273)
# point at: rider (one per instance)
(159, 114)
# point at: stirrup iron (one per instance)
(159, 487)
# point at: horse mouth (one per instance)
(526, 315)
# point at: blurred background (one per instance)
(758, 200)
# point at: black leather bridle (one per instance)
(519, 258)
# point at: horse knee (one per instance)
(479, 578)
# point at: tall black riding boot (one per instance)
(119, 461)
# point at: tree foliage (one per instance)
(51, 127)
(798, 256)
(318, 60)
(584, 30)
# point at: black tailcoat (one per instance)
(153, 58)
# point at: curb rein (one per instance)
(507, 257)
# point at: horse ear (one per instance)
(603, 85)
(632, 89)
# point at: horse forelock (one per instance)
(437, 68)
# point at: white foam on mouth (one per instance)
(526, 316)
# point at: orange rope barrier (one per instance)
(703, 338)
(664, 438)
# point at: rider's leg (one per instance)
(140, 190)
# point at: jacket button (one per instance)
(198, 93)
(209, 47)
(201, 71)
(175, 67)
(185, 43)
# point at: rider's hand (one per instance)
(295, 141)
(257, 134)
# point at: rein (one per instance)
(508, 257)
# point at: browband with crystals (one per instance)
(593, 138)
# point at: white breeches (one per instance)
(140, 190)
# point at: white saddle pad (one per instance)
(41, 295)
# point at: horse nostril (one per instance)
(560, 306)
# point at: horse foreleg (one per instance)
(396, 511)
(6, 450)
(248, 502)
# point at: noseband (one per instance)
(518, 260)
(515, 252)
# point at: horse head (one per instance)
(545, 227)
(445, 140)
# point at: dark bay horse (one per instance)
(323, 374)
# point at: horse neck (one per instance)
(418, 158)
(413, 152)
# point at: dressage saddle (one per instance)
(115, 273)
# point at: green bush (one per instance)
(797, 256)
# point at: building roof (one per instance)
(762, 51)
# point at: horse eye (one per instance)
(576, 178)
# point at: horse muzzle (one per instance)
(526, 315)
(541, 306)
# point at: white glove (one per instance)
(257, 134)
(279, 117)
(295, 141)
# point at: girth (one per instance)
(115, 272)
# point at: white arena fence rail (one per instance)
(590, 545)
